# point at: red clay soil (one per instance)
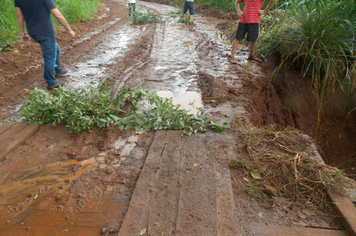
(84, 187)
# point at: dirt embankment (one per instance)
(285, 101)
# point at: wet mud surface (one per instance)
(83, 184)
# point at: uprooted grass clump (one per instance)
(286, 164)
(99, 106)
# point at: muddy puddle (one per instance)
(111, 49)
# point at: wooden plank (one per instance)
(226, 219)
(277, 230)
(136, 218)
(6, 126)
(345, 210)
(182, 190)
(163, 207)
(15, 136)
(197, 212)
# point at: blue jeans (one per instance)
(133, 7)
(51, 56)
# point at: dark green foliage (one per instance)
(98, 106)
(317, 36)
(140, 18)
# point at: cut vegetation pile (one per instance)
(99, 106)
(285, 164)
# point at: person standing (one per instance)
(189, 4)
(37, 15)
(132, 5)
(249, 22)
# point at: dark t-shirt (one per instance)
(37, 16)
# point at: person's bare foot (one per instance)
(232, 59)
(254, 58)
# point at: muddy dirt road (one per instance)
(112, 182)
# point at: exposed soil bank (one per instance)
(285, 101)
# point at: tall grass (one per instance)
(73, 10)
(319, 37)
(77, 10)
(229, 5)
(8, 24)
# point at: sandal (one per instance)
(233, 61)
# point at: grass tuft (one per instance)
(317, 36)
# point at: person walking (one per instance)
(132, 5)
(249, 22)
(189, 4)
(37, 15)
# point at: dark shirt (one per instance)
(37, 16)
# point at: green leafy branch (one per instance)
(98, 107)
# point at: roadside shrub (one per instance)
(98, 106)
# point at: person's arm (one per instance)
(62, 20)
(21, 23)
(137, 3)
(270, 5)
(239, 12)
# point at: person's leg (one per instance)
(239, 35)
(58, 67)
(133, 8)
(252, 36)
(252, 48)
(233, 50)
(130, 8)
(185, 9)
(49, 48)
(191, 12)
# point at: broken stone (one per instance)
(132, 139)
(102, 154)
